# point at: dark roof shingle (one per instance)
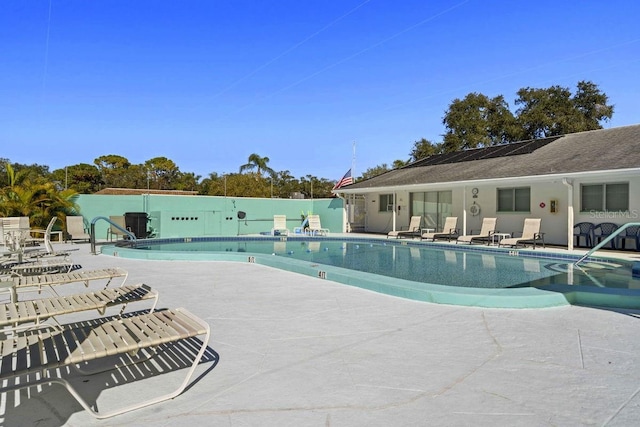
(597, 150)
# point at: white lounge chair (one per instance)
(530, 234)
(413, 230)
(14, 315)
(449, 230)
(34, 358)
(486, 231)
(280, 225)
(76, 229)
(38, 281)
(49, 265)
(315, 227)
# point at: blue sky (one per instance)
(207, 83)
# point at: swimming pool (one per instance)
(456, 274)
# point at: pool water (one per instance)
(455, 267)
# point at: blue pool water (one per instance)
(454, 266)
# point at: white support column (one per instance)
(464, 210)
(570, 219)
(393, 226)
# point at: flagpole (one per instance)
(353, 162)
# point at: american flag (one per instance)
(346, 180)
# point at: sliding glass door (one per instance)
(434, 206)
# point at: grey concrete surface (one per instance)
(291, 350)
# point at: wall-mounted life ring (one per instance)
(474, 209)
(542, 205)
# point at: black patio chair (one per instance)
(584, 229)
(632, 233)
(604, 230)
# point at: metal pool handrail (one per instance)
(607, 240)
(92, 233)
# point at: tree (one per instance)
(114, 170)
(40, 201)
(553, 111)
(33, 173)
(374, 171)
(423, 149)
(248, 185)
(259, 164)
(477, 121)
(284, 184)
(83, 178)
(163, 173)
(400, 163)
(187, 181)
(546, 112)
(592, 105)
(314, 187)
(213, 185)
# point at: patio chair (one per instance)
(633, 233)
(16, 232)
(280, 226)
(486, 231)
(115, 231)
(34, 358)
(584, 229)
(449, 230)
(530, 234)
(602, 231)
(76, 229)
(315, 227)
(413, 230)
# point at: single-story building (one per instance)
(589, 176)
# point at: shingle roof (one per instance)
(597, 150)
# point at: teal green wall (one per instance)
(194, 216)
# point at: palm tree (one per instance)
(259, 164)
(40, 201)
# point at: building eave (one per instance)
(495, 181)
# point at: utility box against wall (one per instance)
(137, 223)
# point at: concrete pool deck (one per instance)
(293, 350)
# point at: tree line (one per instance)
(478, 120)
(253, 179)
(472, 122)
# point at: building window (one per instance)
(386, 203)
(604, 197)
(514, 199)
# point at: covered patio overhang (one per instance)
(566, 179)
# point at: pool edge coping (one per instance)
(547, 297)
